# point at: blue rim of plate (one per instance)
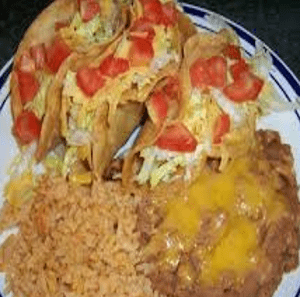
(243, 34)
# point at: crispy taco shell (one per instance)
(108, 139)
(35, 34)
(121, 17)
(58, 11)
(201, 45)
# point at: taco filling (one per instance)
(93, 23)
(223, 97)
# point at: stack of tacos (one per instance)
(83, 73)
(220, 94)
(103, 66)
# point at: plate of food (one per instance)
(149, 148)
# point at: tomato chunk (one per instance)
(56, 54)
(28, 86)
(177, 137)
(142, 28)
(112, 66)
(208, 72)
(38, 53)
(158, 107)
(141, 52)
(153, 10)
(217, 71)
(222, 127)
(88, 9)
(27, 127)
(199, 74)
(172, 88)
(89, 80)
(26, 63)
(246, 88)
(170, 15)
(232, 51)
(239, 67)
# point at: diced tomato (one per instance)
(28, 86)
(26, 63)
(112, 66)
(246, 87)
(153, 11)
(216, 67)
(89, 80)
(178, 138)
(107, 66)
(141, 23)
(141, 52)
(238, 68)
(232, 51)
(38, 53)
(121, 65)
(222, 127)
(56, 54)
(208, 72)
(170, 15)
(27, 127)
(158, 106)
(142, 28)
(61, 24)
(199, 74)
(88, 9)
(172, 88)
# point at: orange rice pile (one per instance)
(75, 242)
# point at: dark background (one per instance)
(276, 22)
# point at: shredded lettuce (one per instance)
(270, 101)
(23, 173)
(162, 60)
(162, 42)
(148, 163)
(200, 114)
(216, 21)
(164, 51)
(38, 104)
(261, 62)
(96, 30)
(161, 165)
(82, 112)
(237, 112)
(71, 89)
(23, 161)
(166, 170)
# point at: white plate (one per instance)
(288, 124)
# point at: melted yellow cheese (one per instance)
(233, 252)
(20, 189)
(238, 194)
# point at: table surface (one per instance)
(276, 22)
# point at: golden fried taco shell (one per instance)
(58, 11)
(35, 34)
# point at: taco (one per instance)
(95, 25)
(42, 60)
(222, 96)
(98, 89)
